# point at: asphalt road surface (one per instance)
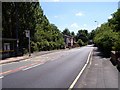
(58, 73)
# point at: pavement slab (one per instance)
(99, 74)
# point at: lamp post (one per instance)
(97, 23)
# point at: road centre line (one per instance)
(80, 73)
(15, 70)
(31, 67)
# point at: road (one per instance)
(59, 73)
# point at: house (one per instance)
(8, 47)
(69, 41)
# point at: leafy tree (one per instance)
(18, 17)
(105, 40)
(73, 34)
(83, 35)
(107, 37)
(114, 22)
(91, 35)
(21, 16)
(66, 32)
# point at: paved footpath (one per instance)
(25, 57)
(100, 73)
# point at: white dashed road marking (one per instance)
(1, 77)
(32, 67)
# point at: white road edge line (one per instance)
(32, 67)
(80, 73)
(1, 77)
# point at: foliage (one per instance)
(116, 46)
(105, 40)
(115, 21)
(107, 37)
(66, 32)
(73, 34)
(80, 42)
(91, 35)
(83, 35)
(21, 16)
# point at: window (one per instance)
(6, 46)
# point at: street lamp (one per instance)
(97, 23)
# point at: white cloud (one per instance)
(85, 25)
(79, 14)
(109, 17)
(99, 25)
(56, 0)
(74, 25)
(55, 16)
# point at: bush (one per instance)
(34, 47)
(106, 41)
(80, 42)
(116, 46)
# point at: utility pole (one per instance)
(28, 35)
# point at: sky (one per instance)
(78, 15)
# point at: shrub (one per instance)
(34, 46)
(106, 41)
(80, 42)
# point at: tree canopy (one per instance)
(66, 32)
(107, 37)
(21, 16)
(83, 35)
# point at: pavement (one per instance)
(20, 58)
(100, 73)
(14, 59)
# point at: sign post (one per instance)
(28, 35)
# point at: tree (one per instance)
(91, 35)
(80, 42)
(73, 34)
(18, 17)
(83, 35)
(107, 37)
(114, 22)
(21, 16)
(66, 31)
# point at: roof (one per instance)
(68, 36)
